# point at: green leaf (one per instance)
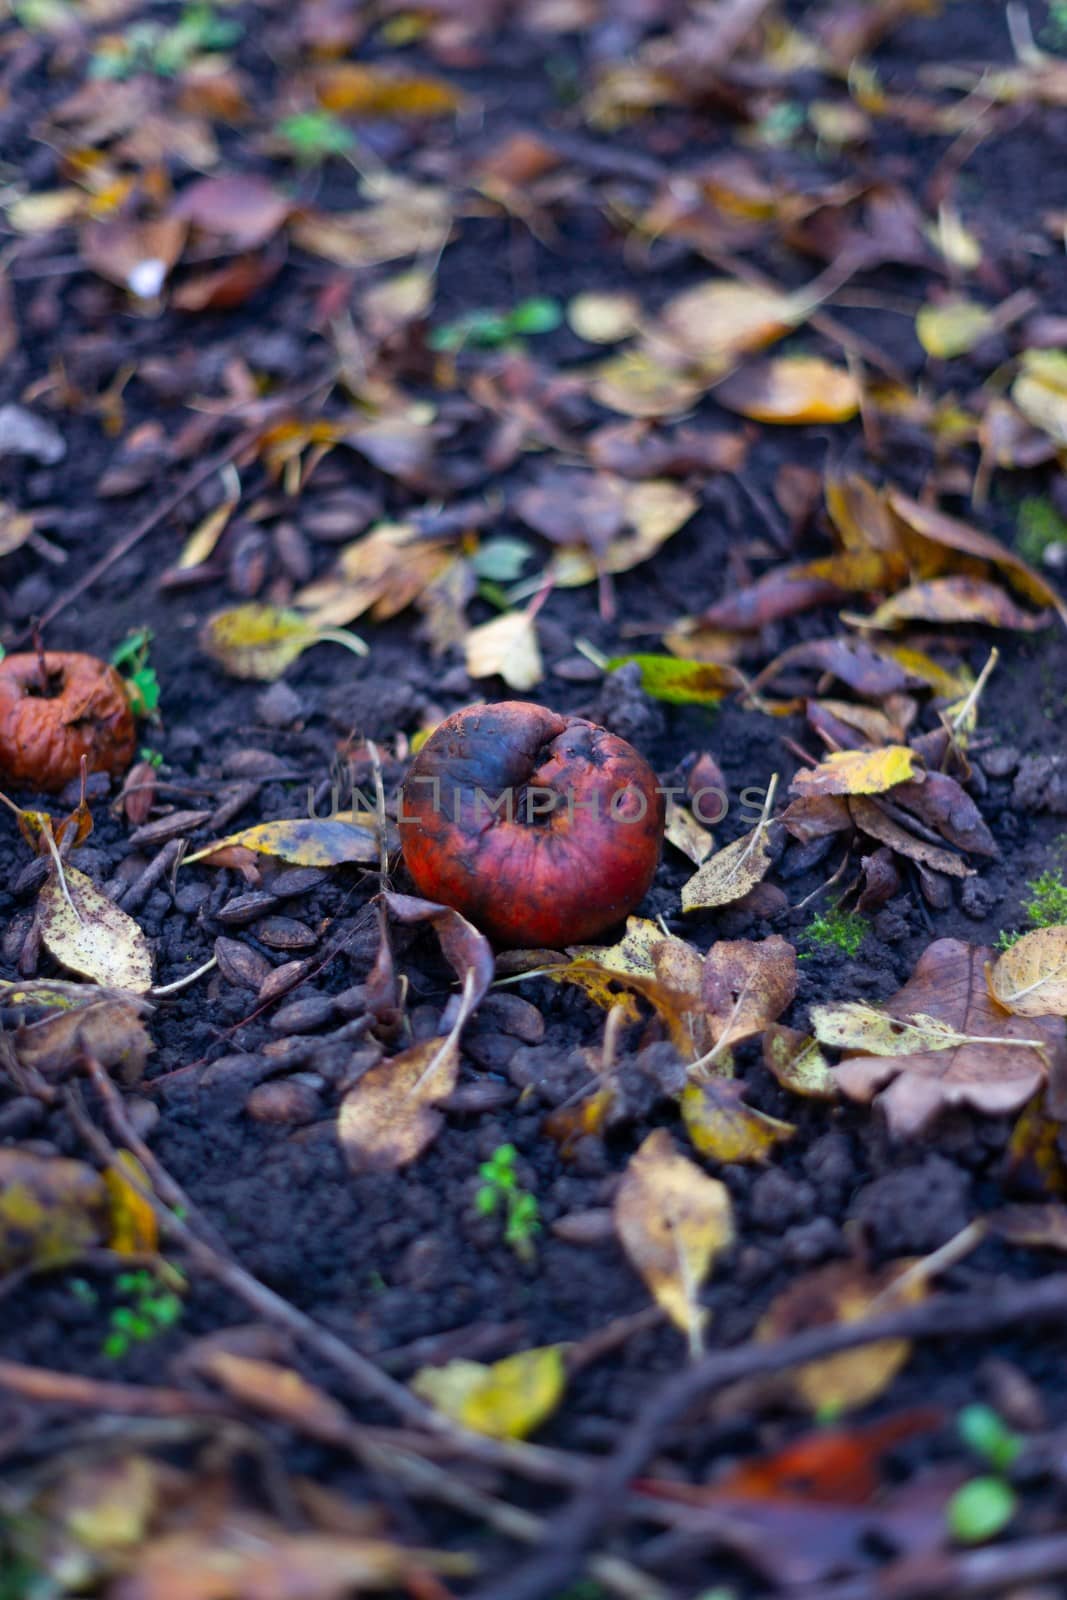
(682, 683)
(540, 314)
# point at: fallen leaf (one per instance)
(684, 832)
(1040, 392)
(1036, 1227)
(953, 327)
(673, 1221)
(260, 642)
(78, 1019)
(664, 969)
(274, 1391)
(637, 385)
(241, 207)
(871, 819)
(603, 318)
(89, 934)
(383, 572)
(133, 1227)
(1030, 978)
(138, 256)
(682, 683)
(15, 528)
(858, 772)
(791, 389)
(727, 1130)
(243, 1555)
(400, 219)
(506, 646)
(362, 89)
(713, 323)
(798, 1064)
(506, 1400)
(51, 1210)
(301, 841)
(747, 984)
(730, 874)
(941, 1040)
(843, 1292)
(958, 600)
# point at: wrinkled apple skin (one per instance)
(44, 736)
(531, 880)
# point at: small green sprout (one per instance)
(154, 758)
(313, 136)
(490, 329)
(836, 930)
(142, 685)
(152, 1306)
(983, 1507)
(500, 1192)
(1046, 907)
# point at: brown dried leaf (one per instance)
(942, 1040)
(241, 207)
(730, 874)
(958, 600)
(747, 985)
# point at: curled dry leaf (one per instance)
(51, 1210)
(843, 1292)
(673, 1220)
(960, 600)
(506, 1400)
(301, 841)
(725, 1129)
(791, 389)
(665, 970)
(1030, 978)
(45, 730)
(798, 1064)
(382, 572)
(77, 1020)
(260, 642)
(941, 1040)
(89, 934)
(871, 819)
(506, 646)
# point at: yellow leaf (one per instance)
(52, 208)
(205, 536)
(652, 511)
(400, 219)
(506, 1400)
(843, 1292)
(506, 645)
(685, 833)
(259, 641)
(859, 771)
(959, 599)
(382, 572)
(89, 934)
(1040, 391)
(356, 89)
(1030, 978)
(953, 327)
(51, 1210)
(798, 1064)
(637, 385)
(603, 318)
(722, 1127)
(673, 1220)
(134, 1229)
(664, 969)
(301, 841)
(791, 389)
(713, 323)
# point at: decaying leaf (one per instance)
(960, 600)
(506, 1400)
(673, 1221)
(50, 1210)
(260, 642)
(681, 683)
(78, 1019)
(399, 219)
(747, 984)
(1030, 978)
(89, 934)
(506, 646)
(301, 841)
(662, 968)
(725, 1129)
(843, 1292)
(941, 1040)
(685, 833)
(730, 873)
(134, 1229)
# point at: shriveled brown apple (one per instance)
(56, 707)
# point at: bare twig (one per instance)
(129, 1399)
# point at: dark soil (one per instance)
(402, 1265)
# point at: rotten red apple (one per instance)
(544, 830)
(57, 706)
